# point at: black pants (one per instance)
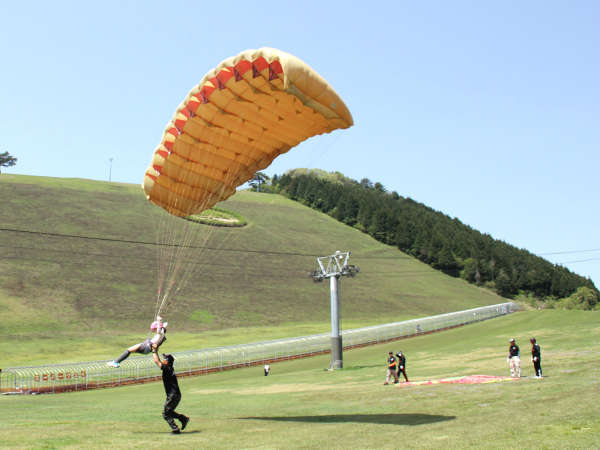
(403, 372)
(169, 411)
(537, 366)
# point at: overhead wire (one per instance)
(266, 272)
(285, 274)
(203, 247)
(570, 252)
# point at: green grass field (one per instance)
(68, 299)
(80, 299)
(302, 405)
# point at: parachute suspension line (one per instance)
(165, 263)
(164, 254)
(187, 262)
(173, 239)
(167, 260)
(160, 266)
(168, 230)
(178, 257)
(195, 236)
(320, 151)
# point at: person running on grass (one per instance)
(159, 328)
(172, 391)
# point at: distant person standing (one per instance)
(391, 369)
(536, 358)
(401, 365)
(514, 359)
(172, 391)
(267, 369)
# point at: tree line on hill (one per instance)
(442, 242)
(7, 160)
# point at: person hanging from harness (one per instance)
(159, 328)
(401, 365)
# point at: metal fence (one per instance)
(96, 374)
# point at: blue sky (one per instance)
(488, 112)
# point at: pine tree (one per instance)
(6, 160)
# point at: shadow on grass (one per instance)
(183, 433)
(386, 419)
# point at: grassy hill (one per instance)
(301, 405)
(56, 285)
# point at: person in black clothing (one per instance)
(172, 391)
(401, 365)
(536, 358)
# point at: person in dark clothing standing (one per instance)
(401, 365)
(172, 391)
(391, 371)
(536, 358)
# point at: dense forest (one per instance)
(443, 242)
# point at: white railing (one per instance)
(96, 374)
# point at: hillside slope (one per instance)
(257, 276)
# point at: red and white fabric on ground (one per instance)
(468, 379)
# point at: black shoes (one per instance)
(184, 422)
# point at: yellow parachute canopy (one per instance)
(244, 113)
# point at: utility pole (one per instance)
(333, 267)
(110, 160)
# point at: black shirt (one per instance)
(536, 351)
(401, 360)
(391, 362)
(513, 350)
(169, 380)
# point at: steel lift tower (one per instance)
(333, 267)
